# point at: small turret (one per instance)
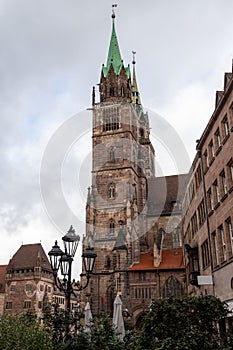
(135, 93)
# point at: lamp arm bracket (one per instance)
(79, 287)
(58, 283)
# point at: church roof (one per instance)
(165, 194)
(114, 55)
(171, 259)
(2, 278)
(29, 256)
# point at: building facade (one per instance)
(2, 287)
(208, 204)
(122, 222)
(29, 280)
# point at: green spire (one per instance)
(135, 93)
(114, 55)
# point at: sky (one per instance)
(51, 57)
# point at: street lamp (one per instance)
(63, 261)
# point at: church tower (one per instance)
(122, 162)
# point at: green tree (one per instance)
(183, 324)
(22, 332)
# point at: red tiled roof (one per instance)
(2, 278)
(171, 259)
(28, 256)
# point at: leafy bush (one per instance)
(22, 332)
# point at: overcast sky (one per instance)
(51, 56)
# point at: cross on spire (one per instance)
(113, 12)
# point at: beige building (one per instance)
(208, 204)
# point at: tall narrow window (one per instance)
(230, 233)
(218, 139)
(111, 119)
(111, 154)
(111, 227)
(205, 254)
(223, 243)
(225, 125)
(210, 200)
(215, 245)
(211, 150)
(111, 91)
(230, 170)
(216, 192)
(223, 182)
(206, 161)
(111, 191)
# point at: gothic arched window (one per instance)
(111, 227)
(122, 91)
(172, 287)
(111, 191)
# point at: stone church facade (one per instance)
(132, 216)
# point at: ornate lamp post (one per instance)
(63, 261)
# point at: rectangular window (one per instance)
(198, 176)
(206, 161)
(194, 224)
(28, 287)
(225, 126)
(9, 305)
(230, 234)
(230, 173)
(211, 150)
(201, 213)
(215, 246)
(12, 288)
(111, 119)
(216, 192)
(223, 182)
(39, 304)
(223, 243)
(210, 200)
(217, 137)
(27, 304)
(205, 254)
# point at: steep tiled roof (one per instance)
(2, 278)
(28, 256)
(165, 194)
(171, 259)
